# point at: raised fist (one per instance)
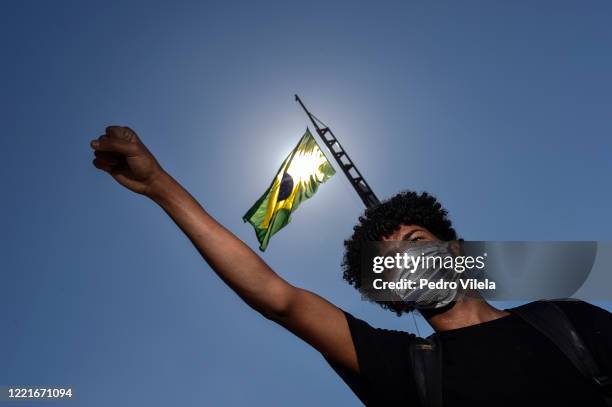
(121, 153)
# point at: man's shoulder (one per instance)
(588, 319)
(361, 327)
(574, 307)
(373, 345)
(578, 309)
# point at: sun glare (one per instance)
(305, 165)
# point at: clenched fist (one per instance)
(121, 153)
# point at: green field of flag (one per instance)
(298, 179)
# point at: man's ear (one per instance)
(456, 247)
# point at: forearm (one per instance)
(241, 268)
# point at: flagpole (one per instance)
(342, 158)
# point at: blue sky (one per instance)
(501, 109)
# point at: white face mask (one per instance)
(427, 298)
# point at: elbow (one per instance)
(278, 304)
(276, 312)
(272, 315)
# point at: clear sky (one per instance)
(501, 109)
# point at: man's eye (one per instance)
(416, 238)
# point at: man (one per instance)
(491, 357)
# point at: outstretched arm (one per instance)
(321, 324)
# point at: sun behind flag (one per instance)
(297, 180)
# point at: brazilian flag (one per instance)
(297, 180)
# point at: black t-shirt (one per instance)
(504, 362)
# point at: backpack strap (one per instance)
(426, 357)
(550, 320)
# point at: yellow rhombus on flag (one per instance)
(297, 180)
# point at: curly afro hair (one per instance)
(405, 208)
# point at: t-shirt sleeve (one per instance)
(385, 368)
